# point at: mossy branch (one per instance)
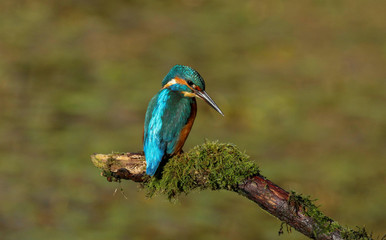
(218, 166)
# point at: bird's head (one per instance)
(189, 82)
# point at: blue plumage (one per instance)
(154, 146)
(170, 115)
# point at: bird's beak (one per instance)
(203, 95)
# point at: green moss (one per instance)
(325, 225)
(361, 234)
(211, 165)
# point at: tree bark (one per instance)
(275, 201)
(269, 196)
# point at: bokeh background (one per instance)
(302, 86)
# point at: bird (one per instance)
(170, 116)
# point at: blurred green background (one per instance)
(302, 86)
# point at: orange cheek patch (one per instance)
(180, 80)
(176, 80)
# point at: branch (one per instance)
(222, 166)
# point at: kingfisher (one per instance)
(170, 115)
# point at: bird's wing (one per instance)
(153, 145)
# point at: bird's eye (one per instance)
(190, 83)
